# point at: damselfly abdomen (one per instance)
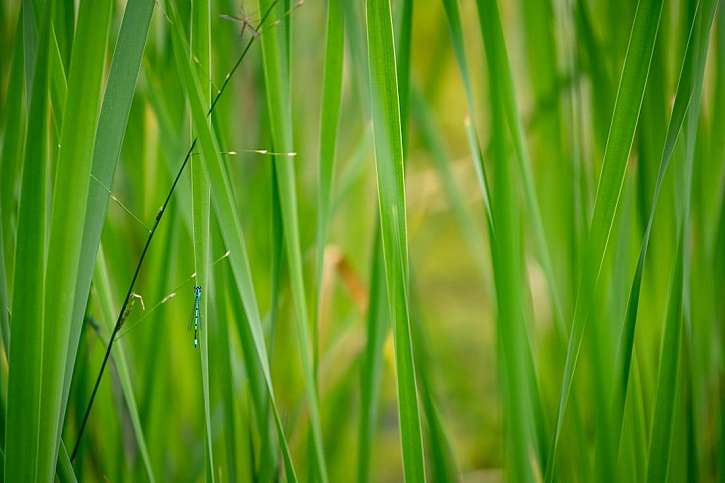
(196, 319)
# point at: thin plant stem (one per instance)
(157, 220)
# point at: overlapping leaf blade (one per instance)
(25, 353)
(226, 212)
(68, 208)
(611, 179)
(391, 200)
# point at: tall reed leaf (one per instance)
(5, 308)
(22, 430)
(229, 221)
(668, 379)
(11, 155)
(200, 43)
(329, 120)
(511, 332)
(481, 175)
(403, 60)
(442, 464)
(70, 193)
(619, 142)
(65, 468)
(391, 200)
(372, 360)
(33, 16)
(277, 81)
(109, 138)
(456, 32)
(686, 86)
(498, 66)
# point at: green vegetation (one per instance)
(454, 240)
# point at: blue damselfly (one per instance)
(196, 319)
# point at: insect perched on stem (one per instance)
(196, 319)
(245, 20)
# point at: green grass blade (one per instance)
(568, 36)
(4, 322)
(481, 175)
(392, 206)
(498, 56)
(498, 66)
(70, 193)
(518, 362)
(30, 41)
(717, 150)
(442, 463)
(403, 54)
(221, 361)
(12, 155)
(103, 289)
(58, 85)
(56, 72)
(268, 457)
(619, 142)
(63, 27)
(455, 30)
(200, 43)
(109, 138)
(329, 120)
(520, 395)
(667, 381)
(277, 81)
(453, 16)
(376, 321)
(22, 429)
(511, 332)
(357, 46)
(229, 221)
(501, 87)
(65, 468)
(256, 385)
(668, 378)
(599, 72)
(371, 371)
(686, 86)
(555, 176)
